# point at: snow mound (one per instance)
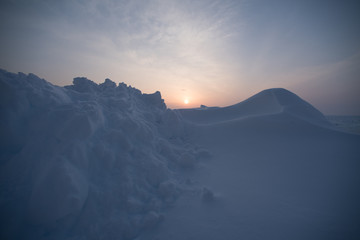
(86, 160)
(268, 102)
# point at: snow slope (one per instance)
(104, 161)
(346, 123)
(86, 161)
(279, 171)
(267, 102)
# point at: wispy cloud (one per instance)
(182, 39)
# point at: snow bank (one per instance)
(86, 160)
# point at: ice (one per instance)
(105, 161)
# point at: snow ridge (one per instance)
(86, 160)
(267, 102)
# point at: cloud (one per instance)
(182, 33)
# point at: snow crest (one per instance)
(268, 102)
(90, 160)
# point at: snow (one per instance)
(346, 123)
(86, 160)
(105, 161)
(279, 170)
(270, 101)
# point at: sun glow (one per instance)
(186, 101)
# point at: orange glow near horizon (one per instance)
(186, 101)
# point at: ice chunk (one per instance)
(154, 99)
(82, 84)
(108, 84)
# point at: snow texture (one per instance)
(279, 170)
(105, 161)
(88, 160)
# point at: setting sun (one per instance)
(186, 101)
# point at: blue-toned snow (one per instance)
(104, 161)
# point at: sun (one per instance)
(186, 101)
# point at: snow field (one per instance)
(278, 170)
(105, 161)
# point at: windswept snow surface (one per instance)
(91, 161)
(279, 171)
(346, 123)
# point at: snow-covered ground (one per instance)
(92, 161)
(348, 123)
(279, 171)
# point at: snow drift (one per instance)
(87, 160)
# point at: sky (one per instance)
(210, 52)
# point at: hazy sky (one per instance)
(212, 52)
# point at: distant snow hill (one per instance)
(279, 170)
(105, 161)
(268, 102)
